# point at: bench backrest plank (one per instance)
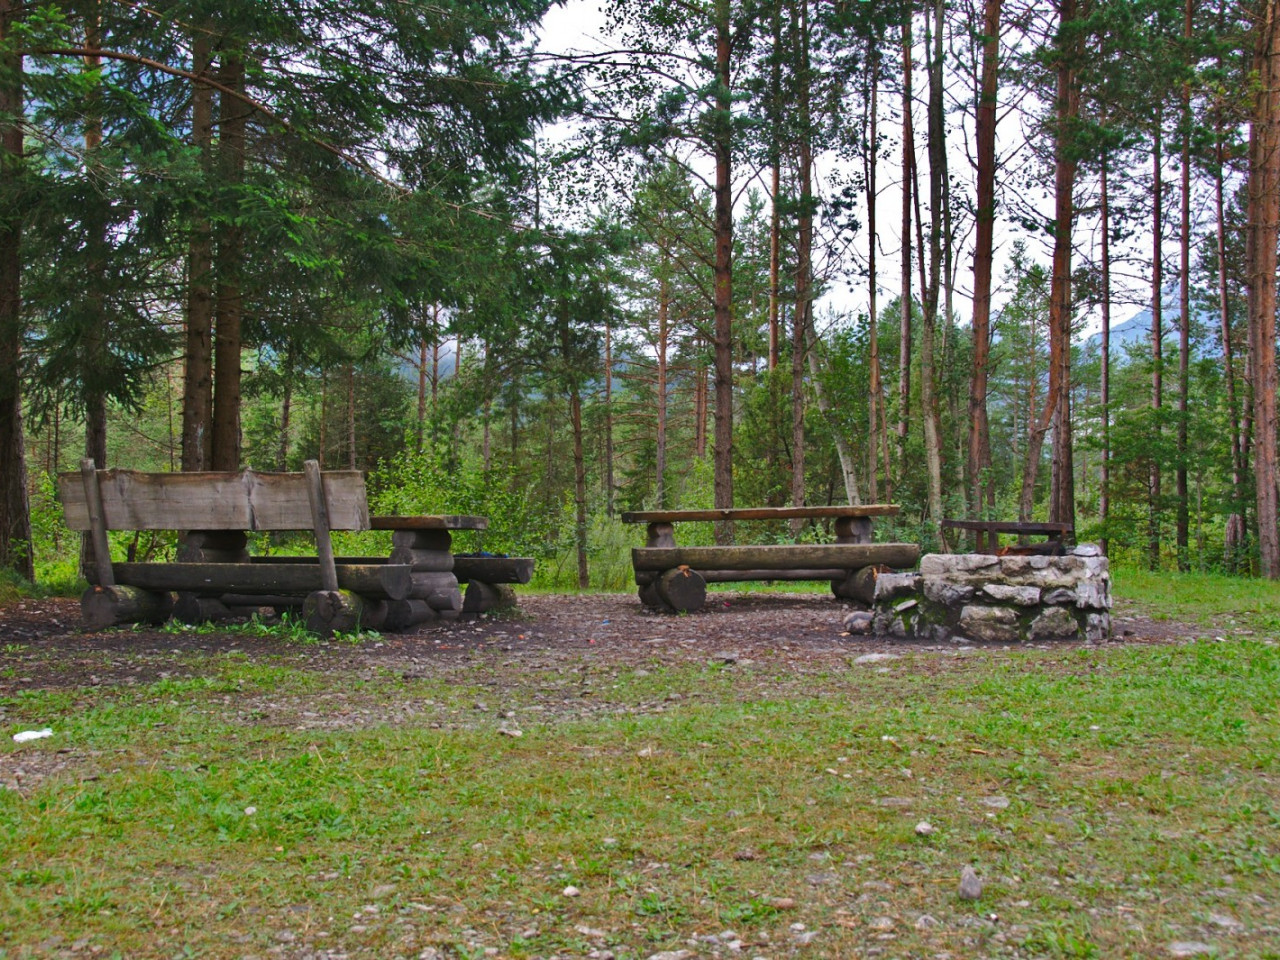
(248, 500)
(762, 513)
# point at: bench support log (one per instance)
(327, 612)
(859, 585)
(680, 591)
(106, 606)
(482, 597)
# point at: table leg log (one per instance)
(396, 616)
(103, 607)
(859, 585)
(439, 590)
(326, 612)
(681, 590)
(482, 597)
(422, 560)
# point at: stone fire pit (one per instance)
(993, 599)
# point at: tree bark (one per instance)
(1104, 496)
(229, 311)
(873, 333)
(1157, 346)
(904, 329)
(928, 332)
(197, 374)
(1183, 522)
(1234, 534)
(979, 452)
(1263, 227)
(579, 486)
(15, 514)
(608, 421)
(802, 315)
(664, 326)
(723, 273)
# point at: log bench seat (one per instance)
(674, 578)
(214, 576)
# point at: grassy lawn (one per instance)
(1115, 801)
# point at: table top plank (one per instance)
(761, 513)
(438, 522)
(1008, 526)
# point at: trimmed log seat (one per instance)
(674, 578)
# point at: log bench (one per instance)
(214, 577)
(1054, 533)
(674, 578)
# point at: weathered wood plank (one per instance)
(1010, 526)
(493, 569)
(737, 576)
(762, 513)
(132, 500)
(392, 580)
(320, 525)
(786, 556)
(96, 519)
(458, 522)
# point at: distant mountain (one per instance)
(1135, 333)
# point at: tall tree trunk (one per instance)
(700, 410)
(1104, 496)
(1184, 321)
(230, 253)
(1057, 408)
(723, 344)
(197, 374)
(979, 452)
(775, 183)
(15, 513)
(579, 486)
(608, 421)
(351, 416)
(1157, 344)
(802, 316)
(1234, 535)
(1263, 227)
(664, 334)
(876, 401)
(286, 414)
(904, 328)
(929, 325)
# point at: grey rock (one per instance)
(992, 624)
(859, 622)
(1058, 597)
(946, 592)
(906, 605)
(950, 564)
(925, 922)
(970, 885)
(892, 585)
(876, 657)
(1097, 627)
(1087, 550)
(1011, 593)
(1055, 623)
(1092, 595)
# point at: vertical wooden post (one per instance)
(320, 522)
(97, 523)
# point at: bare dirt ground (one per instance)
(42, 645)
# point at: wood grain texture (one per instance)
(762, 513)
(493, 569)
(441, 522)
(132, 500)
(787, 556)
(390, 580)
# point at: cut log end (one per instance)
(104, 607)
(326, 612)
(482, 597)
(681, 590)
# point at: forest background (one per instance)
(546, 285)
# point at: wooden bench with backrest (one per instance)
(671, 577)
(213, 572)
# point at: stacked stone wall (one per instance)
(993, 599)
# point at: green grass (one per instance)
(1222, 602)
(198, 819)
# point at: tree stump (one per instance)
(326, 612)
(859, 585)
(104, 607)
(439, 590)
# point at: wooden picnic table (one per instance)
(1052, 531)
(674, 578)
